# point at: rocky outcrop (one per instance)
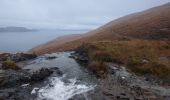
(81, 54)
(12, 78)
(22, 57)
(16, 57)
(9, 61)
(41, 74)
(17, 85)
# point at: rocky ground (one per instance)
(19, 84)
(117, 84)
(121, 84)
(18, 57)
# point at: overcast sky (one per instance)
(68, 14)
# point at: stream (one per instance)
(58, 76)
(75, 79)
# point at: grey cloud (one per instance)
(68, 13)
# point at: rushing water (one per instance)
(76, 79)
(23, 41)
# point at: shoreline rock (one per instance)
(17, 85)
(18, 57)
(11, 61)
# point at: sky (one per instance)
(68, 14)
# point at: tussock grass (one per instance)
(141, 57)
(10, 65)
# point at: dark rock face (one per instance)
(81, 54)
(41, 74)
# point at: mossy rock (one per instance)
(10, 65)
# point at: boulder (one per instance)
(51, 58)
(16, 57)
(41, 74)
(22, 57)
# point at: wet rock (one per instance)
(78, 97)
(16, 94)
(72, 56)
(41, 74)
(12, 78)
(56, 71)
(22, 57)
(81, 54)
(25, 85)
(34, 91)
(18, 85)
(16, 57)
(122, 97)
(51, 58)
(82, 59)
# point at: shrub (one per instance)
(10, 65)
(140, 56)
(98, 68)
(102, 56)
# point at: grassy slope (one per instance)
(143, 57)
(152, 24)
(140, 41)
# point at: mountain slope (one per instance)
(152, 24)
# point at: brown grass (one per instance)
(152, 24)
(10, 65)
(141, 57)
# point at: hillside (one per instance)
(152, 24)
(50, 46)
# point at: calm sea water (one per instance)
(23, 41)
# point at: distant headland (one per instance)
(15, 29)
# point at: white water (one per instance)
(76, 79)
(58, 90)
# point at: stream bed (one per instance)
(75, 79)
(58, 76)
